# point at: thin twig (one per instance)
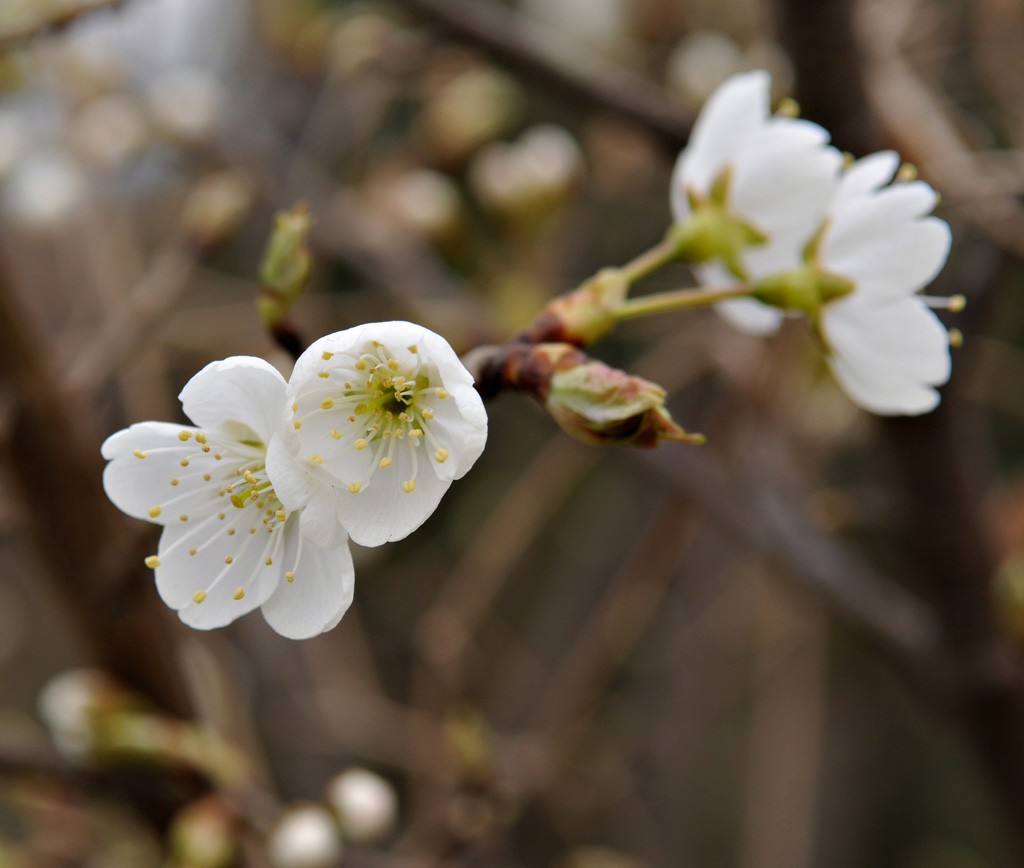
(536, 52)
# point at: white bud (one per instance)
(426, 201)
(67, 704)
(187, 104)
(109, 129)
(305, 837)
(701, 62)
(43, 191)
(365, 803)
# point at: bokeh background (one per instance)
(798, 645)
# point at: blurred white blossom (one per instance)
(305, 837)
(365, 804)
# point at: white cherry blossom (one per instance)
(381, 418)
(886, 348)
(229, 545)
(751, 189)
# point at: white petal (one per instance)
(751, 316)
(868, 174)
(731, 115)
(894, 263)
(319, 521)
(137, 485)
(383, 512)
(242, 390)
(180, 573)
(782, 186)
(321, 592)
(861, 220)
(887, 355)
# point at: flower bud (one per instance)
(365, 804)
(201, 835)
(598, 404)
(286, 265)
(216, 206)
(305, 837)
(588, 399)
(70, 704)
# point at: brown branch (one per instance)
(537, 53)
(92, 552)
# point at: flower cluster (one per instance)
(259, 498)
(765, 201)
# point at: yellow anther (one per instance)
(153, 511)
(789, 107)
(393, 364)
(335, 435)
(206, 448)
(416, 432)
(239, 593)
(220, 515)
(404, 417)
(409, 486)
(183, 517)
(184, 435)
(848, 159)
(174, 481)
(355, 487)
(441, 393)
(252, 530)
(412, 348)
(957, 303)
(152, 562)
(323, 374)
(198, 597)
(192, 551)
(360, 365)
(217, 456)
(200, 437)
(427, 413)
(351, 418)
(206, 477)
(280, 515)
(231, 531)
(183, 462)
(228, 559)
(249, 477)
(295, 406)
(360, 443)
(326, 355)
(359, 409)
(441, 456)
(297, 424)
(229, 489)
(907, 172)
(138, 453)
(386, 462)
(316, 459)
(290, 576)
(326, 403)
(269, 562)
(956, 338)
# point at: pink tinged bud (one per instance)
(602, 405)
